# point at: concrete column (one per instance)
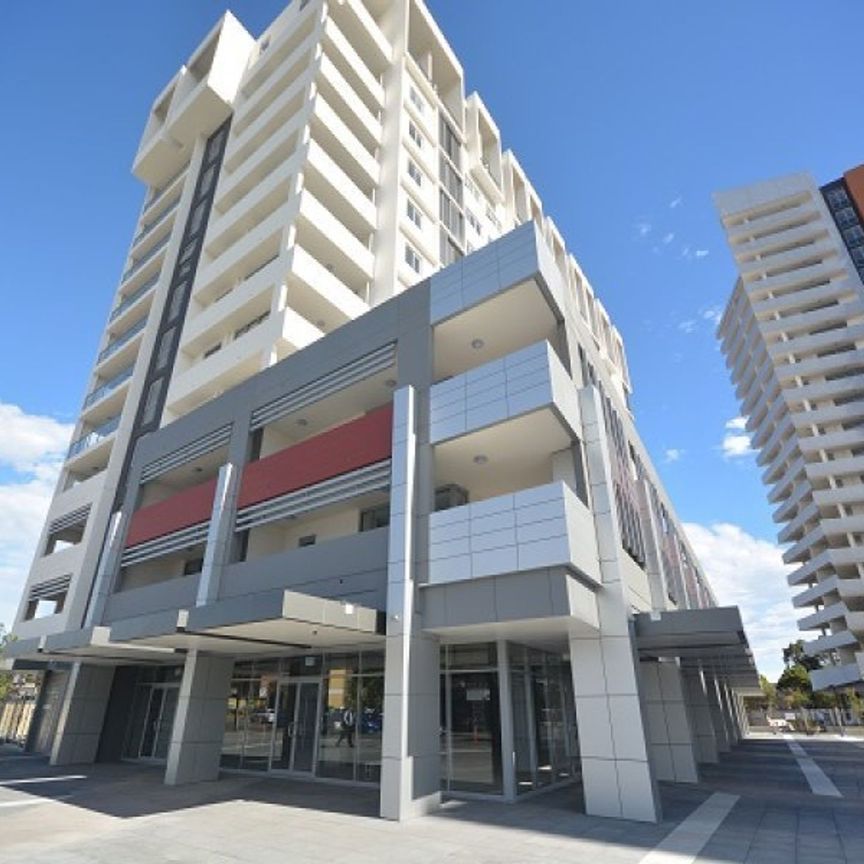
(79, 726)
(106, 571)
(196, 738)
(700, 715)
(742, 713)
(219, 535)
(729, 711)
(670, 737)
(508, 747)
(410, 759)
(616, 773)
(718, 720)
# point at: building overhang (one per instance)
(266, 623)
(92, 645)
(712, 639)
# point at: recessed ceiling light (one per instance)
(197, 469)
(481, 459)
(477, 344)
(302, 421)
(390, 382)
(320, 324)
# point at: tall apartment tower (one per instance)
(356, 459)
(793, 337)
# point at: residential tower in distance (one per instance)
(793, 336)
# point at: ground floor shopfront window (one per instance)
(315, 715)
(151, 714)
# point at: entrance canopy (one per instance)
(91, 645)
(712, 638)
(257, 624)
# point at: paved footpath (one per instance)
(757, 806)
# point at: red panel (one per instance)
(855, 184)
(353, 445)
(182, 510)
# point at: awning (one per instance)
(90, 645)
(262, 623)
(712, 638)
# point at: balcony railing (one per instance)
(146, 229)
(123, 339)
(158, 193)
(103, 390)
(148, 256)
(91, 439)
(133, 298)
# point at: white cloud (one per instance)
(713, 314)
(677, 201)
(701, 253)
(687, 326)
(673, 454)
(749, 572)
(736, 442)
(643, 228)
(668, 238)
(31, 455)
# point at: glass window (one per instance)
(854, 235)
(412, 259)
(474, 731)
(414, 213)
(416, 100)
(375, 517)
(415, 173)
(414, 135)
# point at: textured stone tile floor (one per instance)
(123, 814)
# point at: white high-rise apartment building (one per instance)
(793, 336)
(343, 476)
(332, 163)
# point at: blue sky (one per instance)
(626, 116)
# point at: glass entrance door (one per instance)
(296, 726)
(158, 722)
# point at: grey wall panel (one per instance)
(343, 567)
(170, 594)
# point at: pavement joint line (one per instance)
(33, 800)
(683, 843)
(50, 779)
(820, 782)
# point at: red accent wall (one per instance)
(182, 510)
(360, 442)
(855, 183)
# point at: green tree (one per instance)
(793, 655)
(769, 692)
(5, 677)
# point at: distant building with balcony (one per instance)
(356, 492)
(793, 336)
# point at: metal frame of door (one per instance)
(163, 688)
(298, 681)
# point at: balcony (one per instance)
(822, 617)
(108, 387)
(94, 437)
(122, 340)
(148, 256)
(546, 526)
(156, 220)
(131, 299)
(158, 193)
(835, 676)
(519, 383)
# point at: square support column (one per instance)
(196, 738)
(670, 736)
(700, 715)
(410, 758)
(718, 718)
(80, 723)
(617, 777)
(732, 724)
